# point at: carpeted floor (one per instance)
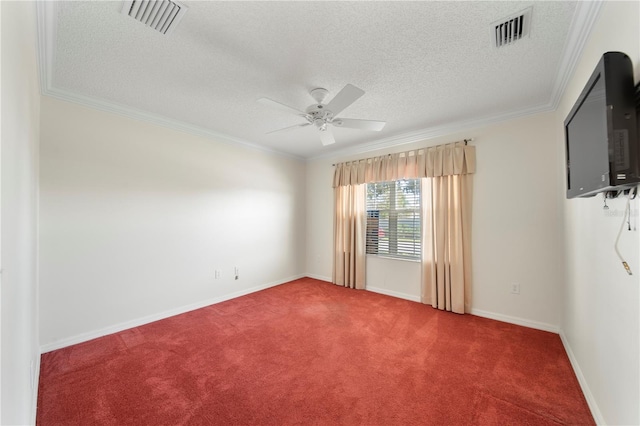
(309, 352)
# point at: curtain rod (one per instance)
(466, 142)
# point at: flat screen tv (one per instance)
(601, 131)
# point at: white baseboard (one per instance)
(84, 337)
(34, 390)
(591, 401)
(485, 314)
(318, 277)
(515, 320)
(393, 293)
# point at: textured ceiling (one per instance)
(423, 65)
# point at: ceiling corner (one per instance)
(46, 12)
(584, 17)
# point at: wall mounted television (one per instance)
(601, 131)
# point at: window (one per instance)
(393, 219)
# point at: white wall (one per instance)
(136, 218)
(516, 232)
(600, 322)
(18, 242)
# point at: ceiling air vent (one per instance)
(161, 15)
(508, 30)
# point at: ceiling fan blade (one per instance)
(327, 137)
(353, 123)
(288, 128)
(348, 95)
(274, 104)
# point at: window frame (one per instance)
(413, 247)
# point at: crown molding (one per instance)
(47, 31)
(581, 25)
(160, 120)
(46, 13)
(584, 18)
(434, 132)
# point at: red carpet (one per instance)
(309, 352)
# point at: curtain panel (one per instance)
(349, 234)
(442, 160)
(446, 239)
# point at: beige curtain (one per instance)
(350, 221)
(446, 236)
(446, 171)
(442, 160)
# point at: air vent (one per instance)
(508, 30)
(161, 15)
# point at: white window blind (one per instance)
(393, 219)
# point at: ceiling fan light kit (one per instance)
(323, 115)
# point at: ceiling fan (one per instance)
(324, 115)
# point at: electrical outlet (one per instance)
(515, 288)
(237, 272)
(217, 274)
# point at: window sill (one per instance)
(381, 256)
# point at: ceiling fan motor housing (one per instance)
(319, 114)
